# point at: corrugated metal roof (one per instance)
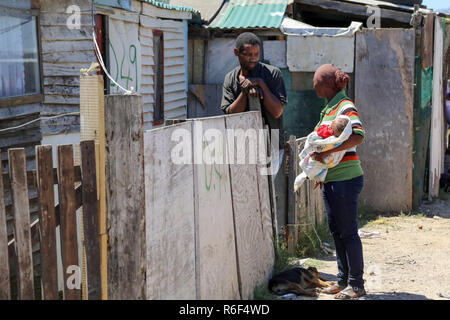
(169, 6)
(237, 14)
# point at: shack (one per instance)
(45, 43)
(386, 48)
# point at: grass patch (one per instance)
(310, 242)
(444, 195)
(365, 215)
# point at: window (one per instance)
(158, 55)
(19, 54)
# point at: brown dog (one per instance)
(298, 280)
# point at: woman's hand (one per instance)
(320, 156)
(318, 183)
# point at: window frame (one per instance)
(35, 97)
(157, 122)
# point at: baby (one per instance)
(326, 138)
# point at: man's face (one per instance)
(248, 57)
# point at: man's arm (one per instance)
(272, 104)
(239, 104)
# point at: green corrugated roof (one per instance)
(169, 6)
(238, 14)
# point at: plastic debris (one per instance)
(368, 234)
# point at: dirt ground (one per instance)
(409, 261)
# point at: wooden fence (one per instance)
(76, 188)
(305, 207)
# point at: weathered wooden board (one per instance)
(5, 293)
(68, 223)
(427, 41)
(125, 197)
(21, 212)
(386, 111)
(217, 273)
(169, 206)
(47, 219)
(91, 225)
(251, 247)
(265, 205)
(437, 134)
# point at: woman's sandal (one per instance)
(350, 293)
(333, 289)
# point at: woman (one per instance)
(342, 184)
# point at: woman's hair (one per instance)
(332, 76)
(247, 38)
(342, 79)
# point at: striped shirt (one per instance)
(350, 165)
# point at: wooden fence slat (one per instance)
(22, 232)
(5, 293)
(91, 219)
(291, 238)
(47, 218)
(68, 222)
(125, 197)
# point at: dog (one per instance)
(298, 280)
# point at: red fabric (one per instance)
(324, 131)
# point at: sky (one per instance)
(436, 4)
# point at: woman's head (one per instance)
(329, 80)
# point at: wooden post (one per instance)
(22, 232)
(125, 197)
(47, 219)
(92, 123)
(291, 237)
(5, 293)
(91, 219)
(68, 222)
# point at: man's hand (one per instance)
(251, 86)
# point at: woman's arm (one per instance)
(354, 140)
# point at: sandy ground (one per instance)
(410, 260)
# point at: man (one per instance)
(253, 78)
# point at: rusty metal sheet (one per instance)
(384, 78)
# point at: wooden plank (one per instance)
(217, 273)
(125, 197)
(5, 293)
(251, 248)
(21, 212)
(437, 134)
(91, 219)
(47, 219)
(198, 61)
(291, 243)
(66, 192)
(169, 206)
(427, 41)
(386, 154)
(264, 194)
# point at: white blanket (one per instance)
(316, 170)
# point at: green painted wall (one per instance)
(301, 114)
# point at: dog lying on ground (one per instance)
(298, 280)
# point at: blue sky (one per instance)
(436, 4)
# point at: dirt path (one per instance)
(409, 261)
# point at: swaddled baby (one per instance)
(325, 138)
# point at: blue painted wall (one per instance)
(124, 4)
